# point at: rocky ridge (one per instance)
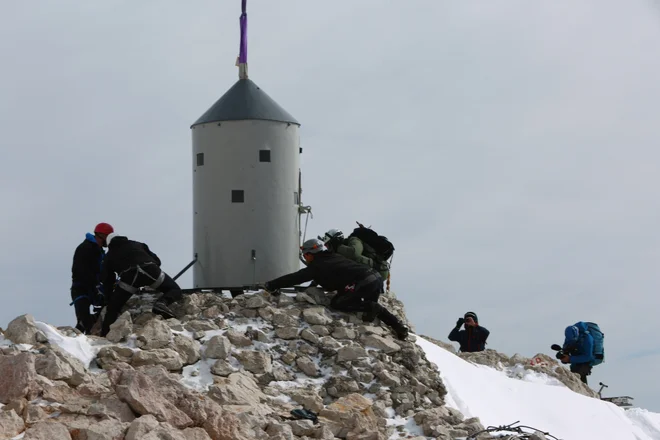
(226, 368)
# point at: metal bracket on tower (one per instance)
(254, 268)
(185, 268)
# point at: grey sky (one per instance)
(509, 149)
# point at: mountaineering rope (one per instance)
(389, 274)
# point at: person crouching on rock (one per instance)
(137, 266)
(358, 286)
(473, 338)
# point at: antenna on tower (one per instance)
(241, 61)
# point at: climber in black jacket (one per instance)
(473, 338)
(358, 286)
(137, 266)
(86, 289)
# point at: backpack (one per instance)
(599, 336)
(380, 244)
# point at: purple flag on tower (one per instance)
(242, 56)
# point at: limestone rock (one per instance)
(222, 368)
(387, 345)
(188, 349)
(11, 424)
(344, 332)
(310, 336)
(238, 339)
(317, 315)
(350, 415)
(302, 427)
(155, 334)
(145, 397)
(56, 364)
(308, 366)
(256, 302)
(23, 330)
(199, 325)
(109, 357)
(308, 398)
(282, 319)
(255, 361)
(17, 377)
(166, 357)
(121, 328)
(218, 347)
(104, 430)
(287, 333)
(47, 430)
(351, 353)
(141, 427)
(237, 389)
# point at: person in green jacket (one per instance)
(355, 249)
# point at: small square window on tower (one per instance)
(200, 159)
(264, 155)
(237, 196)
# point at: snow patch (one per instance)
(198, 376)
(78, 347)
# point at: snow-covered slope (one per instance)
(536, 400)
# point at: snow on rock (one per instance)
(235, 368)
(78, 347)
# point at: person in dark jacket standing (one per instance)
(136, 266)
(358, 286)
(473, 338)
(86, 287)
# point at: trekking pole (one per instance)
(602, 385)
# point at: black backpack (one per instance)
(380, 244)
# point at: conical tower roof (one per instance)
(245, 100)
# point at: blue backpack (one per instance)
(599, 336)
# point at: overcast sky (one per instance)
(509, 149)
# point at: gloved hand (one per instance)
(460, 322)
(269, 288)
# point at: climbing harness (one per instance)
(138, 270)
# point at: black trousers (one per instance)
(363, 297)
(171, 292)
(82, 303)
(583, 370)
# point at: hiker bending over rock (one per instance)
(137, 266)
(86, 289)
(358, 286)
(473, 338)
(357, 250)
(578, 350)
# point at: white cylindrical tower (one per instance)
(246, 194)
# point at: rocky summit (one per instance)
(250, 367)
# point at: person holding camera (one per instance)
(473, 337)
(578, 350)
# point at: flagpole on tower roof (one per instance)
(242, 56)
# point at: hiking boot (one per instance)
(161, 308)
(401, 332)
(370, 312)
